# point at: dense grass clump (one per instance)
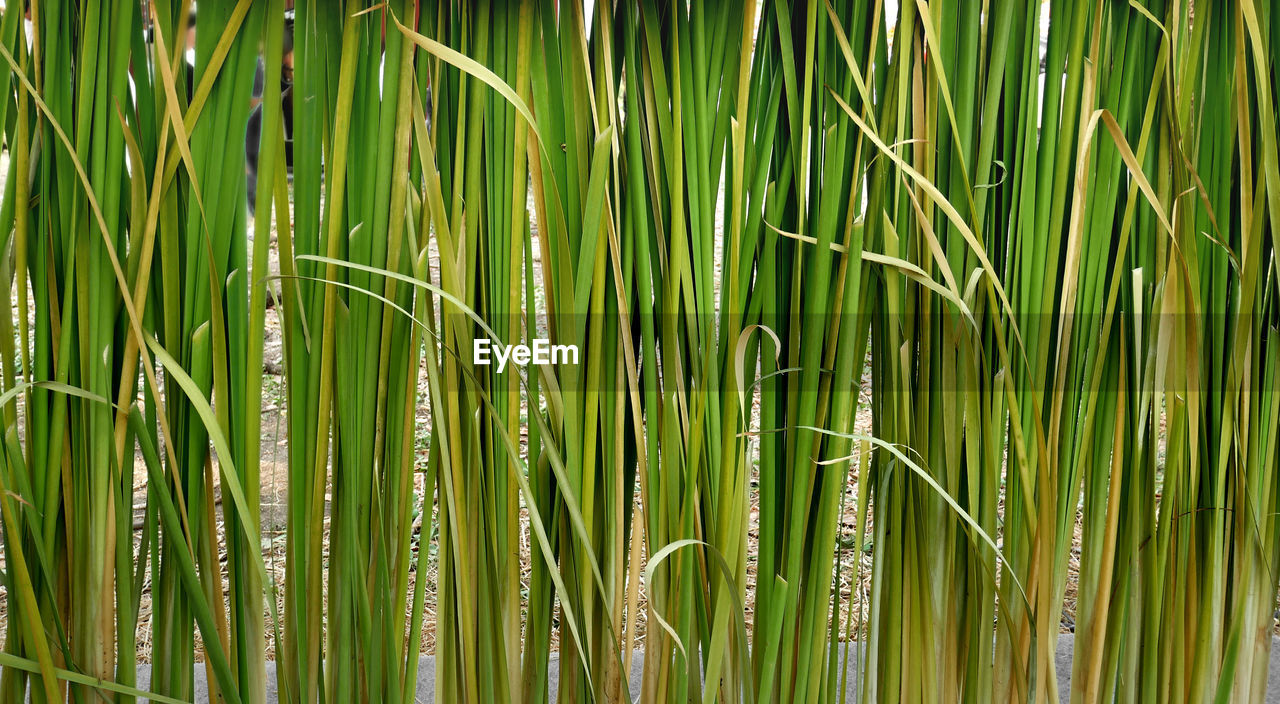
(1035, 243)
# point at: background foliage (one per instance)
(1040, 238)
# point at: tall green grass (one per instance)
(1051, 267)
(128, 228)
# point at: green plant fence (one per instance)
(888, 338)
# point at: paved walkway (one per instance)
(426, 676)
